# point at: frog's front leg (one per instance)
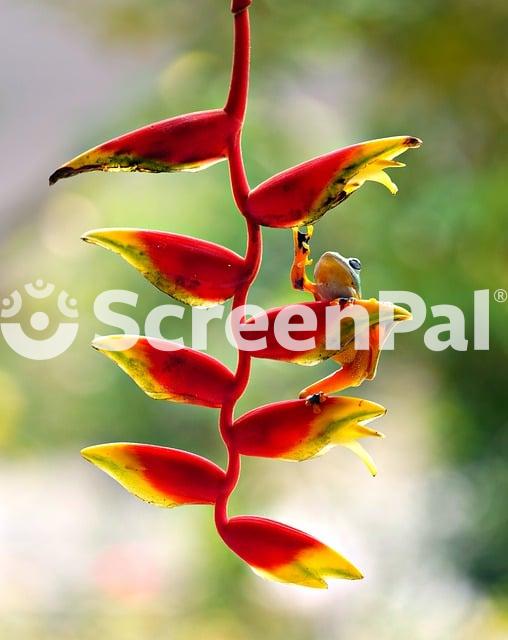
(299, 278)
(357, 366)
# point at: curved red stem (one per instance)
(242, 375)
(239, 5)
(239, 182)
(236, 105)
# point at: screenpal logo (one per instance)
(295, 327)
(42, 348)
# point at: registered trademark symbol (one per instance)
(501, 295)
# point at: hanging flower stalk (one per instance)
(200, 273)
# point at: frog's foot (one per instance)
(315, 401)
(302, 260)
(304, 237)
(344, 302)
(302, 243)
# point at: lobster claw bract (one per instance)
(186, 143)
(164, 477)
(283, 554)
(300, 430)
(326, 337)
(196, 272)
(165, 370)
(302, 194)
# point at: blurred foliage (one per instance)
(324, 75)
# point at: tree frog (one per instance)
(336, 278)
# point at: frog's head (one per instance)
(337, 277)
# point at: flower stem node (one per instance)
(240, 5)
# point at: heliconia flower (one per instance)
(304, 193)
(193, 271)
(277, 552)
(186, 143)
(164, 477)
(323, 347)
(165, 370)
(297, 430)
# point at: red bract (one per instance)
(164, 477)
(304, 193)
(186, 143)
(196, 272)
(300, 429)
(167, 371)
(321, 346)
(281, 553)
(200, 273)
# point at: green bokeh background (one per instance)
(79, 558)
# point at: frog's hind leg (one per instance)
(351, 374)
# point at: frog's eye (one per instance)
(355, 264)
